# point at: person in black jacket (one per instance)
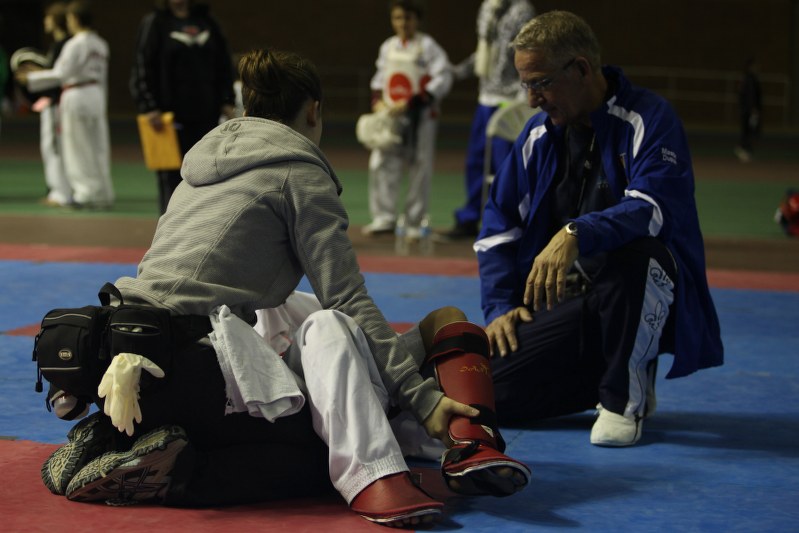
(183, 65)
(751, 104)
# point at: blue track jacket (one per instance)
(647, 163)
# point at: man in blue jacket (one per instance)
(591, 257)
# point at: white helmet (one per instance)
(379, 130)
(28, 55)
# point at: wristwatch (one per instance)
(571, 228)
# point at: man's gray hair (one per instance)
(561, 36)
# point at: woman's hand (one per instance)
(437, 423)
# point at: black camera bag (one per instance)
(75, 346)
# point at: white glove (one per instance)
(120, 388)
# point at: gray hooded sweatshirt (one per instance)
(259, 208)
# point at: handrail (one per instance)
(719, 87)
(715, 90)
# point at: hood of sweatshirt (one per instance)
(245, 143)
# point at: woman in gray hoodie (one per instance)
(257, 210)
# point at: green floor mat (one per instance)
(726, 208)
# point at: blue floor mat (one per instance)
(721, 453)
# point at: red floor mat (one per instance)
(27, 506)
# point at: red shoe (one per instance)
(476, 469)
(394, 499)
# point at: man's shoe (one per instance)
(744, 155)
(611, 429)
(88, 439)
(139, 474)
(394, 500)
(461, 231)
(92, 206)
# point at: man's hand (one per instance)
(502, 331)
(155, 120)
(547, 279)
(437, 423)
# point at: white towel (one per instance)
(278, 324)
(256, 378)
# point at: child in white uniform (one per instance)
(59, 193)
(412, 77)
(82, 72)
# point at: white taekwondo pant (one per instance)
(348, 403)
(387, 168)
(87, 146)
(52, 155)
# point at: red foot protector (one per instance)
(476, 464)
(394, 498)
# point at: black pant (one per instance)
(749, 131)
(576, 354)
(168, 180)
(230, 459)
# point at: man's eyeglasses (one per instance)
(543, 84)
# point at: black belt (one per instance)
(78, 84)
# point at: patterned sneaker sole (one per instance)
(87, 440)
(139, 474)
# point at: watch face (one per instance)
(571, 228)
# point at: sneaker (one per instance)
(413, 233)
(611, 429)
(92, 206)
(90, 438)
(744, 155)
(378, 228)
(49, 202)
(139, 474)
